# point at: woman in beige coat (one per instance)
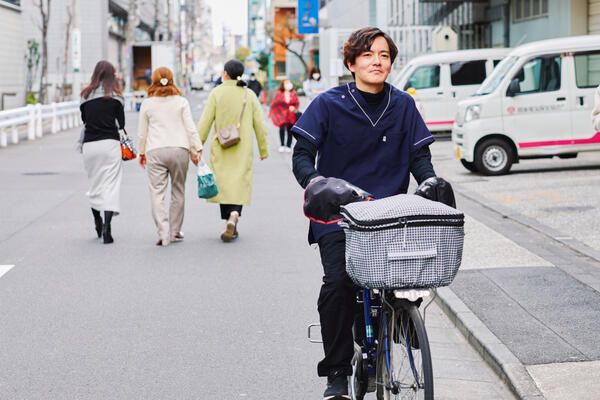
(232, 166)
(167, 141)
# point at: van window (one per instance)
(424, 77)
(540, 75)
(587, 69)
(491, 82)
(496, 62)
(467, 72)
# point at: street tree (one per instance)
(285, 35)
(241, 54)
(263, 61)
(44, 7)
(63, 86)
(32, 60)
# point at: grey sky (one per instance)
(231, 13)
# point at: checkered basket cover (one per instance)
(391, 255)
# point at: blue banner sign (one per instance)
(308, 16)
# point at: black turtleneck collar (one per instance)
(373, 100)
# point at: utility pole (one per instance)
(132, 22)
(76, 49)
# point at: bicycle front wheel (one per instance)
(404, 368)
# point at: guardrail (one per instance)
(62, 116)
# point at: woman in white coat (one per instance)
(168, 140)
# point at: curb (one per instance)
(491, 205)
(494, 352)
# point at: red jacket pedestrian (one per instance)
(283, 113)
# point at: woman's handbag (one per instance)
(230, 135)
(127, 148)
(207, 186)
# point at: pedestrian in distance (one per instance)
(596, 110)
(255, 85)
(370, 134)
(283, 113)
(168, 140)
(102, 105)
(314, 85)
(231, 103)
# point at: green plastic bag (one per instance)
(207, 187)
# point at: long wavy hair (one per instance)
(158, 89)
(104, 75)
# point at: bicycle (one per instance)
(423, 239)
(391, 359)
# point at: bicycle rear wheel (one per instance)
(404, 371)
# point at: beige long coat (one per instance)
(233, 166)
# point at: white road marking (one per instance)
(4, 269)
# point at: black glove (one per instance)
(437, 189)
(323, 198)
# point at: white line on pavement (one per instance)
(4, 269)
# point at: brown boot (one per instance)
(230, 232)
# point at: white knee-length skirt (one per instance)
(102, 162)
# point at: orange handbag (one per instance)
(127, 149)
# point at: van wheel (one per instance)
(468, 165)
(493, 157)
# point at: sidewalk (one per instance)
(527, 300)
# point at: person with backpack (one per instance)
(370, 134)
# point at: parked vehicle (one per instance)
(441, 80)
(536, 104)
(148, 56)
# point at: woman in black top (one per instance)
(102, 114)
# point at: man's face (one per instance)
(372, 67)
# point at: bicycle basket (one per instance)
(402, 241)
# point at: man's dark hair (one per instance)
(361, 41)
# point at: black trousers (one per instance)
(337, 306)
(226, 209)
(282, 131)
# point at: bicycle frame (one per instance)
(373, 315)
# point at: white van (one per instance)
(442, 79)
(537, 103)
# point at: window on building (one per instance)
(529, 9)
(467, 73)
(587, 69)
(12, 2)
(424, 77)
(540, 75)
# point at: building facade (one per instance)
(12, 67)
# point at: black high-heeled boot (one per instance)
(106, 234)
(97, 222)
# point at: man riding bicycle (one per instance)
(370, 134)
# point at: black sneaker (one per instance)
(337, 386)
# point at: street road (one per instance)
(201, 319)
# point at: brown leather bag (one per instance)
(230, 135)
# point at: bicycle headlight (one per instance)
(472, 112)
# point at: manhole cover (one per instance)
(39, 173)
(568, 208)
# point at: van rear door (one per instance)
(587, 78)
(536, 116)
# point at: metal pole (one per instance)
(76, 50)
